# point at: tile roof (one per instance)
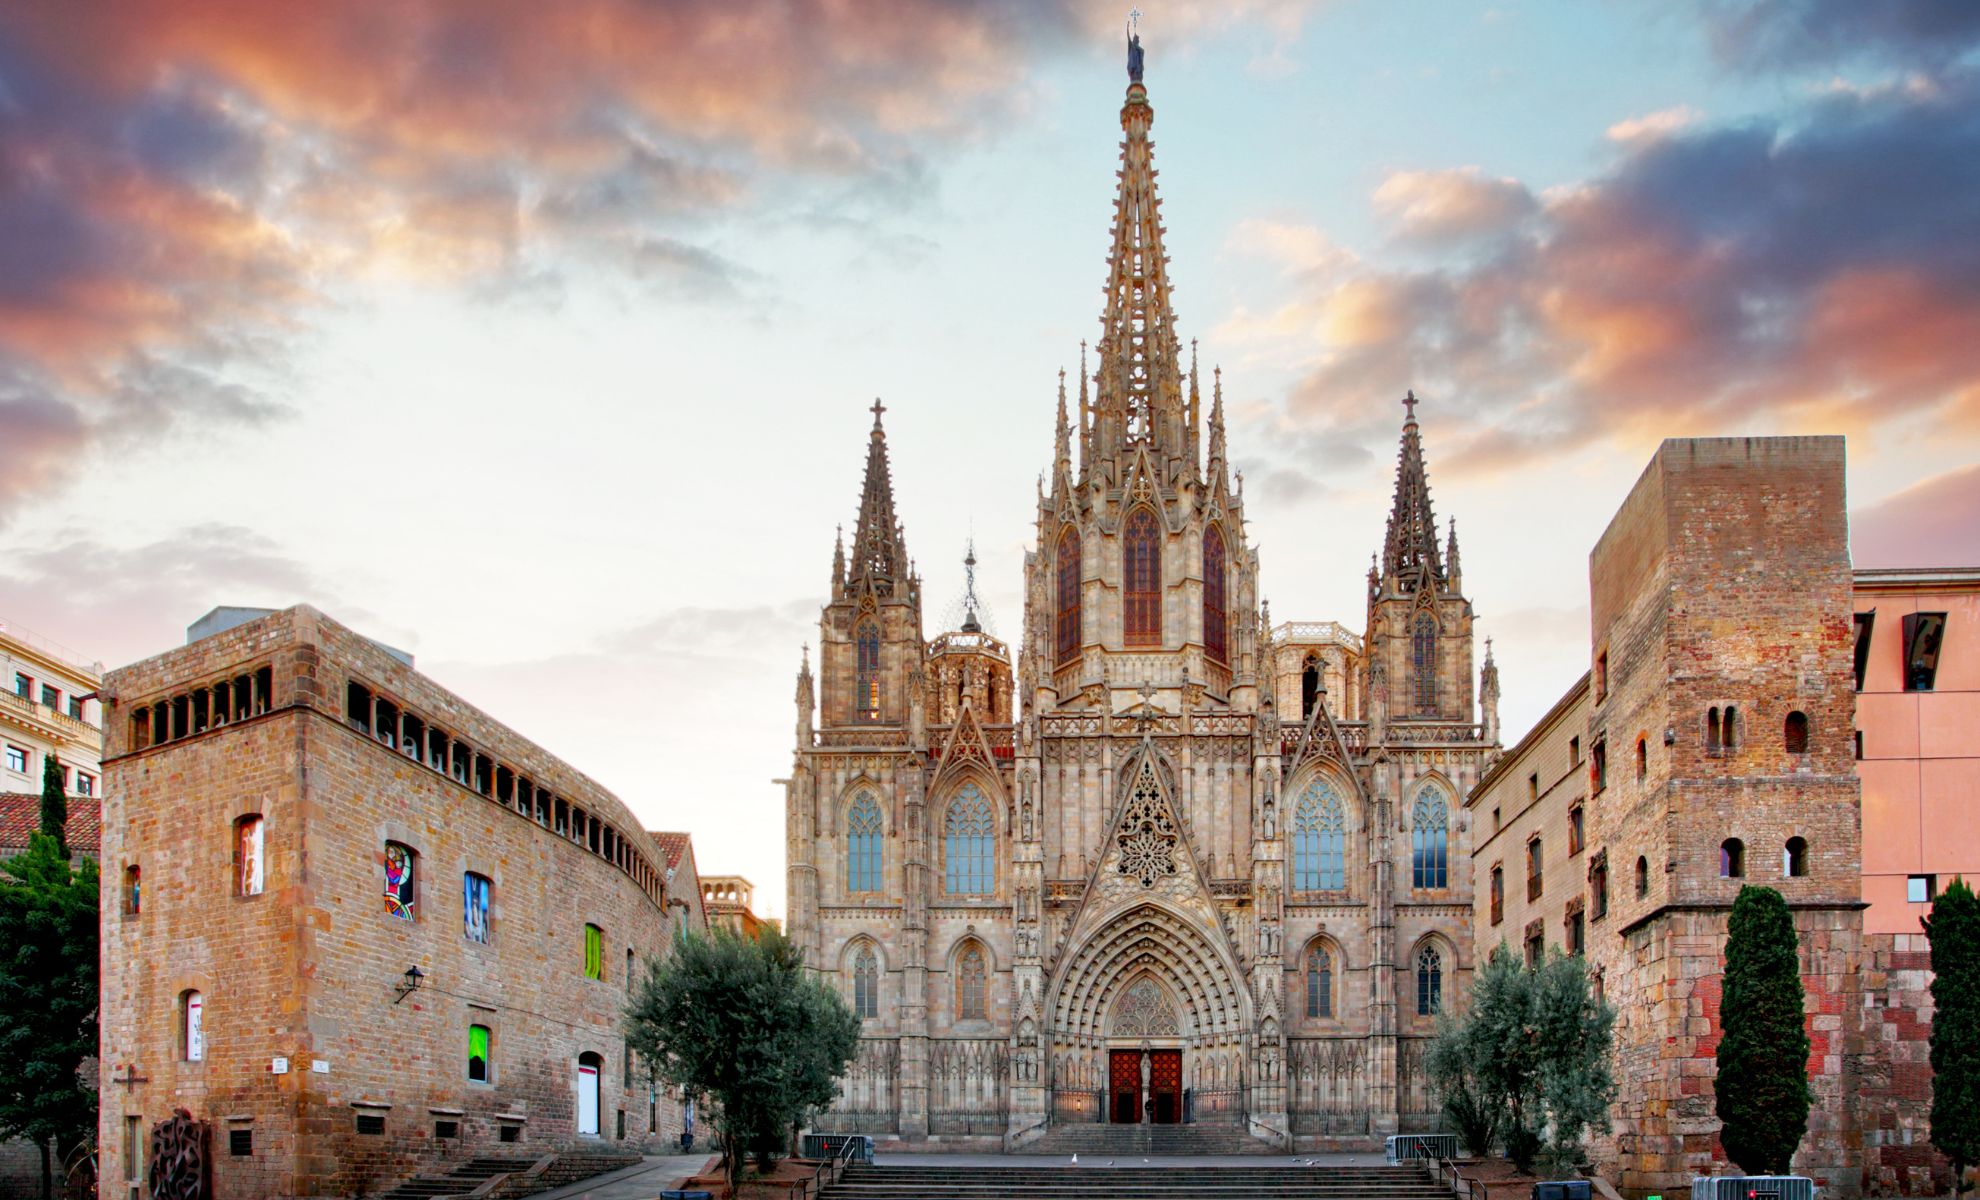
(20, 817)
(673, 845)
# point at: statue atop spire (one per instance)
(1134, 45)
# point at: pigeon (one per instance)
(1075, 1161)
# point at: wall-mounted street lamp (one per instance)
(409, 983)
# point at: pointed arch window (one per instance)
(970, 834)
(1319, 983)
(970, 987)
(866, 685)
(1423, 650)
(863, 832)
(1319, 840)
(1216, 622)
(1429, 982)
(1430, 828)
(1141, 558)
(1066, 631)
(866, 984)
(1309, 687)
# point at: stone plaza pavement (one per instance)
(660, 1172)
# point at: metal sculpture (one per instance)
(178, 1158)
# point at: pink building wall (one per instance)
(1920, 761)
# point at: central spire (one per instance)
(1409, 554)
(1140, 380)
(879, 554)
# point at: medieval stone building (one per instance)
(1171, 860)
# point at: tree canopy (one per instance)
(1954, 928)
(1762, 1090)
(54, 804)
(1528, 1060)
(738, 1020)
(48, 988)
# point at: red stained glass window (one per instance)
(1216, 625)
(1067, 631)
(1142, 557)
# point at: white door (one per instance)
(588, 1100)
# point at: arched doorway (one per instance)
(1144, 1057)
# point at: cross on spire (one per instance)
(876, 410)
(1409, 404)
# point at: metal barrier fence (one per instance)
(1403, 1147)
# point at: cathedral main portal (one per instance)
(1145, 1086)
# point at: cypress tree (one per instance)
(1762, 1087)
(1954, 928)
(54, 804)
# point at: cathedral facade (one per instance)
(1161, 861)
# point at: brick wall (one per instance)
(307, 970)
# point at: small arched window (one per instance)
(1712, 730)
(1141, 558)
(1729, 729)
(192, 1026)
(401, 880)
(1319, 829)
(866, 677)
(1732, 859)
(970, 986)
(866, 984)
(1429, 982)
(863, 831)
(1642, 877)
(1794, 858)
(1423, 647)
(250, 875)
(133, 899)
(1309, 688)
(1066, 632)
(1430, 831)
(1319, 983)
(1642, 758)
(1216, 624)
(1795, 733)
(594, 952)
(969, 830)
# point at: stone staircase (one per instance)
(1089, 1181)
(520, 1176)
(1147, 1140)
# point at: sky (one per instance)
(539, 339)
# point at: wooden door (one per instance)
(1124, 1087)
(1165, 1085)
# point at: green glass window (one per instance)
(478, 1053)
(594, 952)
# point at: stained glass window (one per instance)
(970, 831)
(866, 984)
(1429, 982)
(1319, 983)
(594, 952)
(474, 906)
(248, 857)
(1066, 631)
(1216, 625)
(970, 985)
(1141, 556)
(866, 692)
(400, 864)
(863, 830)
(478, 1053)
(1430, 829)
(1424, 646)
(1319, 832)
(133, 898)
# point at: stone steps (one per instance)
(1091, 1180)
(1165, 1140)
(567, 1168)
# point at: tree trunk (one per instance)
(47, 1169)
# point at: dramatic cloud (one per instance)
(1930, 524)
(1813, 273)
(1790, 33)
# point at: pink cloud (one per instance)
(1935, 523)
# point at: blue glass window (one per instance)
(971, 835)
(863, 845)
(1319, 836)
(1430, 827)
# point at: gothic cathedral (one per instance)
(1180, 864)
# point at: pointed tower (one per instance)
(1142, 574)
(1419, 641)
(869, 637)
